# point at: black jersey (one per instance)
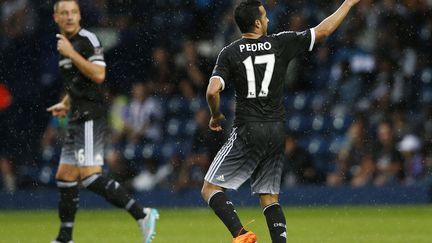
(86, 96)
(257, 68)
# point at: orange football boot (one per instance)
(249, 237)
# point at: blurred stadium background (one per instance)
(359, 107)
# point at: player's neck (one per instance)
(251, 35)
(70, 35)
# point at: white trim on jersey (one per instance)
(96, 57)
(91, 36)
(64, 62)
(88, 143)
(223, 49)
(312, 30)
(220, 156)
(101, 63)
(221, 80)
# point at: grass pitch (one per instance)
(200, 225)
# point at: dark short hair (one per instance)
(58, 1)
(246, 13)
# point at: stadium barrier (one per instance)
(298, 196)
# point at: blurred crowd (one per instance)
(359, 107)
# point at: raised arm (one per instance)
(329, 25)
(91, 70)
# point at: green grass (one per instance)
(200, 225)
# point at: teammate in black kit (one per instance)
(82, 68)
(256, 66)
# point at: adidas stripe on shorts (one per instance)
(254, 150)
(84, 143)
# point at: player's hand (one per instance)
(215, 122)
(59, 109)
(64, 46)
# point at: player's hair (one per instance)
(246, 13)
(58, 2)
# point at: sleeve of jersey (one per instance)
(94, 53)
(97, 57)
(298, 42)
(221, 69)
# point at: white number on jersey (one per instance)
(269, 60)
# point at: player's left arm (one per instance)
(329, 25)
(214, 88)
(91, 70)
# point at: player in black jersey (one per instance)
(256, 66)
(82, 68)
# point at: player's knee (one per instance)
(63, 175)
(67, 173)
(86, 172)
(59, 176)
(268, 199)
(208, 189)
(204, 191)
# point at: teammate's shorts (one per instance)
(253, 150)
(84, 143)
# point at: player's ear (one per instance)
(258, 24)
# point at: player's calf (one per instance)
(67, 208)
(224, 209)
(114, 193)
(276, 222)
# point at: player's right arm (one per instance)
(62, 108)
(91, 70)
(214, 88)
(216, 85)
(329, 25)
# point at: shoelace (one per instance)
(250, 222)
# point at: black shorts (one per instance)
(84, 143)
(253, 150)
